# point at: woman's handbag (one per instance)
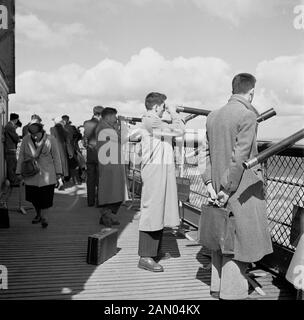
(30, 166)
(217, 229)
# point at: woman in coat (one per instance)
(39, 189)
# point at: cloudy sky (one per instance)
(74, 54)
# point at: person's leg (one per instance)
(147, 249)
(149, 242)
(216, 273)
(37, 219)
(234, 284)
(115, 207)
(47, 196)
(11, 165)
(91, 183)
(44, 217)
(105, 216)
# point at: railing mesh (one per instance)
(284, 186)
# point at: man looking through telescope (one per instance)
(159, 202)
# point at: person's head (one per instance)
(97, 111)
(244, 84)
(18, 124)
(156, 102)
(109, 115)
(14, 118)
(35, 118)
(36, 131)
(66, 119)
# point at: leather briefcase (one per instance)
(102, 246)
(217, 229)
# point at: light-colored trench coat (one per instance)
(112, 175)
(231, 139)
(48, 161)
(159, 201)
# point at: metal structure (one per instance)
(284, 185)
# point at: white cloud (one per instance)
(281, 83)
(196, 82)
(30, 27)
(235, 11)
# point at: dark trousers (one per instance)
(11, 165)
(149, 243)
(114, 207)
(92, 182)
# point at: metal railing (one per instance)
(284, 186)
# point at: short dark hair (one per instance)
(242, 83)
(154, 98)
(108, 111)
(36, 116)
(14, 116)
(65, 117)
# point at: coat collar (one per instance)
(246, 103)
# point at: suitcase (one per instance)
(102, 246)
(4, 218)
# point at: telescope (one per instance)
(196, 111)
(274, 149)
(262, 117)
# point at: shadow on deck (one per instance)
(51, 263)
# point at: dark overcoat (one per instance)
(231, 139)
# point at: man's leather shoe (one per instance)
(150, 265)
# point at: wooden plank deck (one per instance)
(51, 263)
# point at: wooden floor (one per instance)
(51, 263)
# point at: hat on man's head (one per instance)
(98, 109)
(35, 128)
(14, 116)
(36, 117)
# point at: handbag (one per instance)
(30, 166)
(217, 229)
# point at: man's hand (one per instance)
(212, 196)
(222, 198)
(171, 109)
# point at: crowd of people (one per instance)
(231, 139)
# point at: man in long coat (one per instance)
(11, 140)
(112, 177)
(159, 202)
(231, 139)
